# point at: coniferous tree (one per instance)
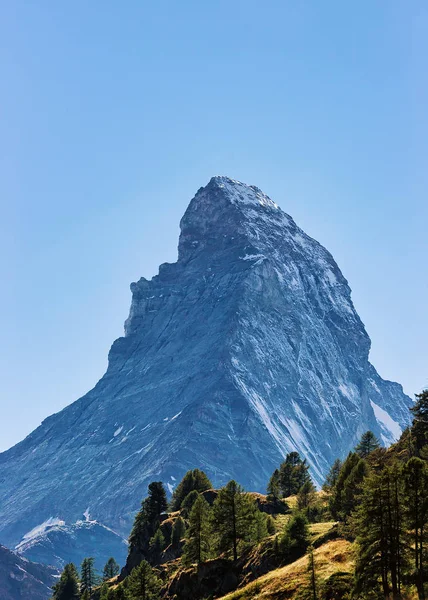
(333, 474)
(157, 546)
(306, 496)
(195, 480)
(104, 592)
(120, 593)
(352, 489)
(337, 492)
(233, 518)
(419, 430)
(367, 444)
(293, 473)
(143, 584)
(187, 503)
(260, 526)
(111, 569)
(381, 556)
(67, 588)
(147, 519)
(178, 531)
(88, 576)
(416, 518)
(273, 488)
(295, 539)
(197, 547)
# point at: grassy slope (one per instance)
(285, 582)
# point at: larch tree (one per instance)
(147, 519)
(293, 473)
(195, 480)
(67, 588)
(419, 430)
(88, 576)
(233, 519)
(178, 531)
(143, 584)
(416, 518)
(367, 444)
(197, 546)
(111, 569)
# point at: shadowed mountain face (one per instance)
(21, 579)
(246, 348)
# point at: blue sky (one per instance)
(114, 114)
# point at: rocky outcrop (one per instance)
(247, 348)
(210, 580)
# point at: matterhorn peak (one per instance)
(246, 348)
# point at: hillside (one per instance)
(331, 559)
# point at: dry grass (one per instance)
(285, 582)
(291, 501)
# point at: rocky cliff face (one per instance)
(21, 579)
(246, 348)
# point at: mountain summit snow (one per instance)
(246, 348)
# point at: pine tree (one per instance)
(295, 538)
(88, 576)
(67, 588)
(260, 527)
(197, 548)
(233, 518)
(143, 584)
(416, 518)
(293, 473)
(352, 489)
(333, 474)
(419, 428)
(104, 592)
(147, 519)
(120, 593)
(367, 444)
(306, 496)
(346, 487)
(195, 480)
(381, 556)
(273, 488)
(178, 531)
(111, 569)
(189, 500)
(157, 546)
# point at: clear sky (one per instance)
(113, 114)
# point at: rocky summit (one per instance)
(246, 348)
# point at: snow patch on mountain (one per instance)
(390, 428)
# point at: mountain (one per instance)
(246, 348)
(56, 543)
(21, 579)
